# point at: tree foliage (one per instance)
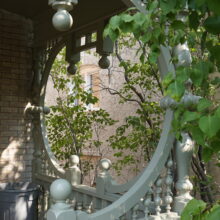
(174, 22)
(136, 139)
(71, 126)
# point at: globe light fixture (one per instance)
(62, 20)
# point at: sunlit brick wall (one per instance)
(16, 146)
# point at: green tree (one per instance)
(137, 137)
(71, 126)
(173, 22)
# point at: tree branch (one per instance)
(204, 185)
(153, 71)
(139, 95)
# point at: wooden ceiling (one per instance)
(33, 8)
(86, 12)
(26, 8)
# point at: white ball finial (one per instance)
(74, 160)
(62, 20)
(105, 164)
(60, 190)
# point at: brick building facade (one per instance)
(16, 146)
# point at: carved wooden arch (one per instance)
(44, 59)
(137, 189)
(40, 128)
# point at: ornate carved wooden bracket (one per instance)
(91, 37)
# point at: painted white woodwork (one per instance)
(184, 150)
(62, 20)
(128, 201)
(147, 203)
(149, 196)
(102, 202)
(73, 173)
(60, 190)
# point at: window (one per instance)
(90, 74)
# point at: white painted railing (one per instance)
(150, 195)
(82, 197)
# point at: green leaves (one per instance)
(217, 112)
(199, 210)
(168, 79)
(197, 135)
(194, 20)
(167, 5)
(200, 31)
(193, 209)
(139, 18)
(203, 104)
(178, 25)
(175, 90)
(200, 2)
(214, 213)
(212, 24)
(215, 52)
(189, 116)
(115, 22)
(124, 23)
(214, 6)
(199, 72)
(210, 125)
(70, 126)
(207, 154)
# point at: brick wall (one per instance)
(16, 146)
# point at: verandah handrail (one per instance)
(58, 170)
(112, 187)
(143, 184)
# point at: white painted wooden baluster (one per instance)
(104, 204)
(158, 200)
(88, 207)
(123, 217)
(147, 203)
(168, 181)
(98, 204)
(104, 176)
(73, 174)
(184, 150)
(42, 158)
(79, 201)
(38, 162)
(49, 199)
(168, 199)
(135, 212)
(93, 204)
(79, 206)
(47, 167)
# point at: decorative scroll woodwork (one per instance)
(149, 196)
(154, 182)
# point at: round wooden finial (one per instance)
(105, 164)
(60, 190)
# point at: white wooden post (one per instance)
(73, 174)
(104, 176)
(60, 190)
